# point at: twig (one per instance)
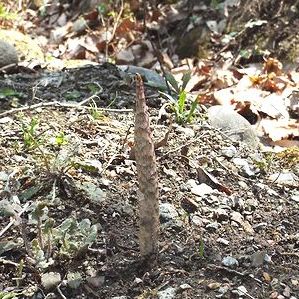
(117, 20)
(292, 254)
(8, 262)
(14, 219)
(235, 272)
(60, 292)
(245, 293)
(126, 137)
(58, 104)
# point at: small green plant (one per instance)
(201, 248)
(29, 133)
(94, 111)
(184, 111)
(74, 236)
(67, 239)
(6, 15)
(60, 139)
(9, 295)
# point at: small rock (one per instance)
(257, 258)
(149, 75)
(8, 54)
(241, 291)
(295, 197)
(212, 226)
(5, 120)
(229, 151)
(189, 205)
(188, 132)
(222, 291)
(80, 25)
(223, 241)
(284, 178)
(295, 282)
(236, 217)
(167, 212)
(96, 281)
(168, 293)
(125, 57)
(230, 262)
(201, 190)
(3, 176)
(196, 220)
(50, 280)
(287, 292)
(274, 295)
(185, 286)
(221, 214)
(245, 167)
(260, 226)
(137, 280)
(214, 285)
(243, 184)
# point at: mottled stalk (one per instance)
(148, 194)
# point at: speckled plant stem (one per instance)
(147, 176)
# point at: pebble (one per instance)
(96, 281)
(221, 214)
(50, 280)
(260, 226)
(236, 217)
(8, 54)
(167, 212)
(229, 151)
(284, 178)
(168, 293)
(185, 286)
(257, 258)
(214, 285)
(222, 291)
(201, 190)
(230, 262)
(245, 167)
(212, 227)
(241, 291)
(74, 279)
(287, 292)
(223, 241)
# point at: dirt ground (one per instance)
(237, 238)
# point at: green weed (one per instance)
(184, 112)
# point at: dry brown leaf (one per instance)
(278, 129)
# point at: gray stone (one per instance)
(8, 54)
(167, 212)
(223, 241)
(232, 124)
(284, 178)
(151, 77)
(50, 280)
(229, 151)
(212, 226)
(221, 214)
(168, 293)
(230, 262)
